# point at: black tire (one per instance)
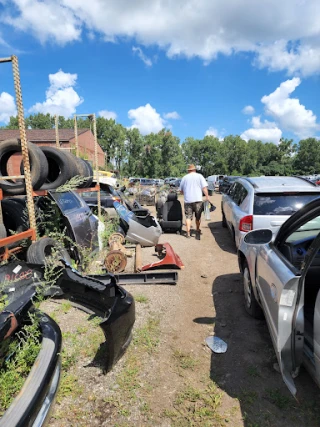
(89, 174)
(61, 168)
(210, 192)
(15, 217)
(73, 164)
(38, 167)
(224, 221)
(82, 170)
(42, 248)
(251, 304)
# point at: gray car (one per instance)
(281, 280)
(264, 202)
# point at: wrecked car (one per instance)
(136, 223)
(281, 281)
(112, 304)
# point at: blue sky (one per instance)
(202, 61)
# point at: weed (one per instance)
(17, 360)
(248, 397)
(253, 371)
(278, 399)
(184, 360)
(196, 407)
(128, 379)
(66, 306)
(147, 337)
(68, 386)
(141, 299)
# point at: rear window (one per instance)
(281, 204)
(67, 201)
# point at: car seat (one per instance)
(171, 214)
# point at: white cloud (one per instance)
(248, 110)
(61, 98)
(262, 131)
(7, 107)
(288, 112)
(146, 119)
(211, 132)
(107, 114)
(47, 20)
(173, 115)
(283, 35)
(279, 56)
(142, 56)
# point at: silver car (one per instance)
(264, 202)
(281, 280)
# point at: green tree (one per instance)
(307, 159)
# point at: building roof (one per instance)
(38, 135)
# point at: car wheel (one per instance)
(224, 221)
(251, 304)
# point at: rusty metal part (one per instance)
(13, 324)
(116, 261)
(170, 259)
(116, 237)
(138, 259)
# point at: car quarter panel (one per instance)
(272, 279)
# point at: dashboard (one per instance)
(295, 251)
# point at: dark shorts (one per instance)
(196, 207)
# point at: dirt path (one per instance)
(169, 377)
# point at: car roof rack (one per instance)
(305, 179)
(254, 185)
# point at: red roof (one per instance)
(38, 135)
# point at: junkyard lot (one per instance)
(168, 377)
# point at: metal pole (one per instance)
(56, 125)
(24, 146)
(76, 135)
(96, 161)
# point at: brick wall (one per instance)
(86, 148)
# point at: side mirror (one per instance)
(258, 237)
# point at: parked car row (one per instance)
(275, 223)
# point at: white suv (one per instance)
(264, 202)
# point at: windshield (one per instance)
(281, 204)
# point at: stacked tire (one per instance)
(50, 167)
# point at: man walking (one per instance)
(192, 186)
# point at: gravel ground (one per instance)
(168, 377)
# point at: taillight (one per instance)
(246, 223)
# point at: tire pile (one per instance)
(50, 167)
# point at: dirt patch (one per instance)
(168, 377)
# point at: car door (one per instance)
(280, 288)
(227, 203)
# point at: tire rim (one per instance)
(247, 287)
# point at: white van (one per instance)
(213, 182)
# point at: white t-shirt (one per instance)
(192, 185)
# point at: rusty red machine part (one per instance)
(170, 258)
(116, 259)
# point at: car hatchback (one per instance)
(264, 202)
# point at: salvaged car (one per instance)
(136, 222)
(98, 296)
(281, 281)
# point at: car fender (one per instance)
(249, 253)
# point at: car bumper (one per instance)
(32, 405)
